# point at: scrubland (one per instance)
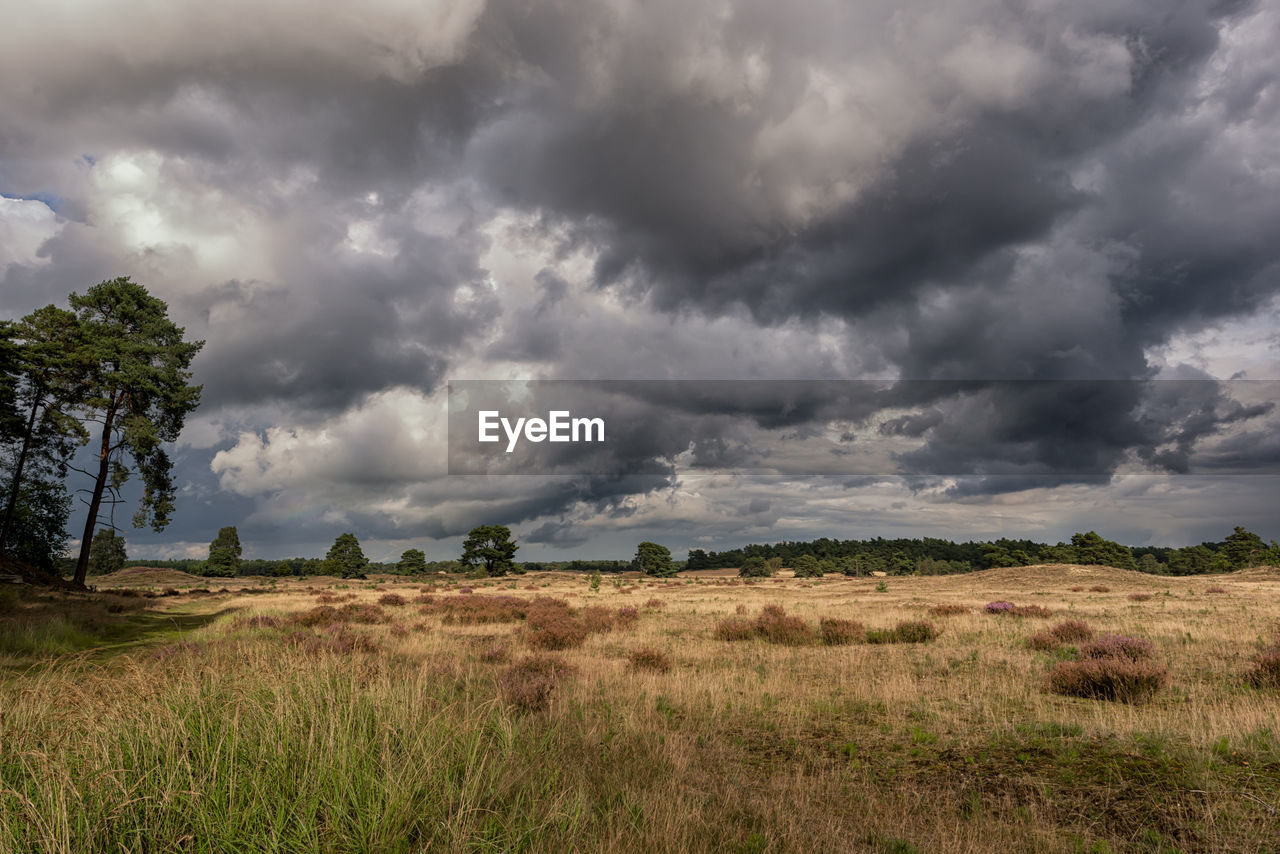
(694, 714)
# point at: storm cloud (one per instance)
(953, 198)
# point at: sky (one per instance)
(354, 206)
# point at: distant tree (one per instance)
(224, 554)
(773, 564)
(412, 562)
(107, 552)
(806, 566)
(1093, 550)
(491, 549)
(1243, 548)
(698, 560)
(653, 559)
(136, 372)
(345, 558)
(1196, 560)
(282, 569)
(1151, 564)
(754, 567)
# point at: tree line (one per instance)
(933, 556)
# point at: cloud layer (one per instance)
(352, 209)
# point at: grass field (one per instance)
(381, 715)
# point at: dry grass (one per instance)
(273, 724)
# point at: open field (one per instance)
(389, 715)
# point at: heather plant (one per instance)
(1139, 597)
(838, 632)
(1072, 631)
(552, 624)
(648, 658)
(1109, 678)
(947, 610)
(1118, 646)
(597, 619)
(1265, 669)
(735, 629)
(1044, 641)
(1099, 588)
(529, 683)
(392, 600)
(1000, 607)
(907, 631)
(626, 616)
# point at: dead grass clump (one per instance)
(741, 609)
(1079, 588)
(735, 629)
(838, 632)
(259, 621)
(948, 610)
(358, 612)
(528, 684)
(170, 650)
(907, 631)
(1044, 641)
(1112, 678)
(322, 615)
(1139, 597)
(1012, 610)
(335, 639)
(392, 600)
(1071, 631)
(648, 658)
(495, 655)
(1099, 588)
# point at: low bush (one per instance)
(553, 625)
(1111, 678)
(1072, 631)
(735, 629)
(648, 658)
(1118, 647)
(528, 684)
(1139, 597)
(1044, 641)
(597, 619)
(775, 626)
(392, 599)
(837, 632)
(655, 604)
(1099, 588)
(948, 610)
(626, 617)
(908, 631)
(1215, 589)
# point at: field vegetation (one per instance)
(695, 713)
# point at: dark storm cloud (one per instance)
(970, 192)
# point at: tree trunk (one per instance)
(104, 468)
(17, 477)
